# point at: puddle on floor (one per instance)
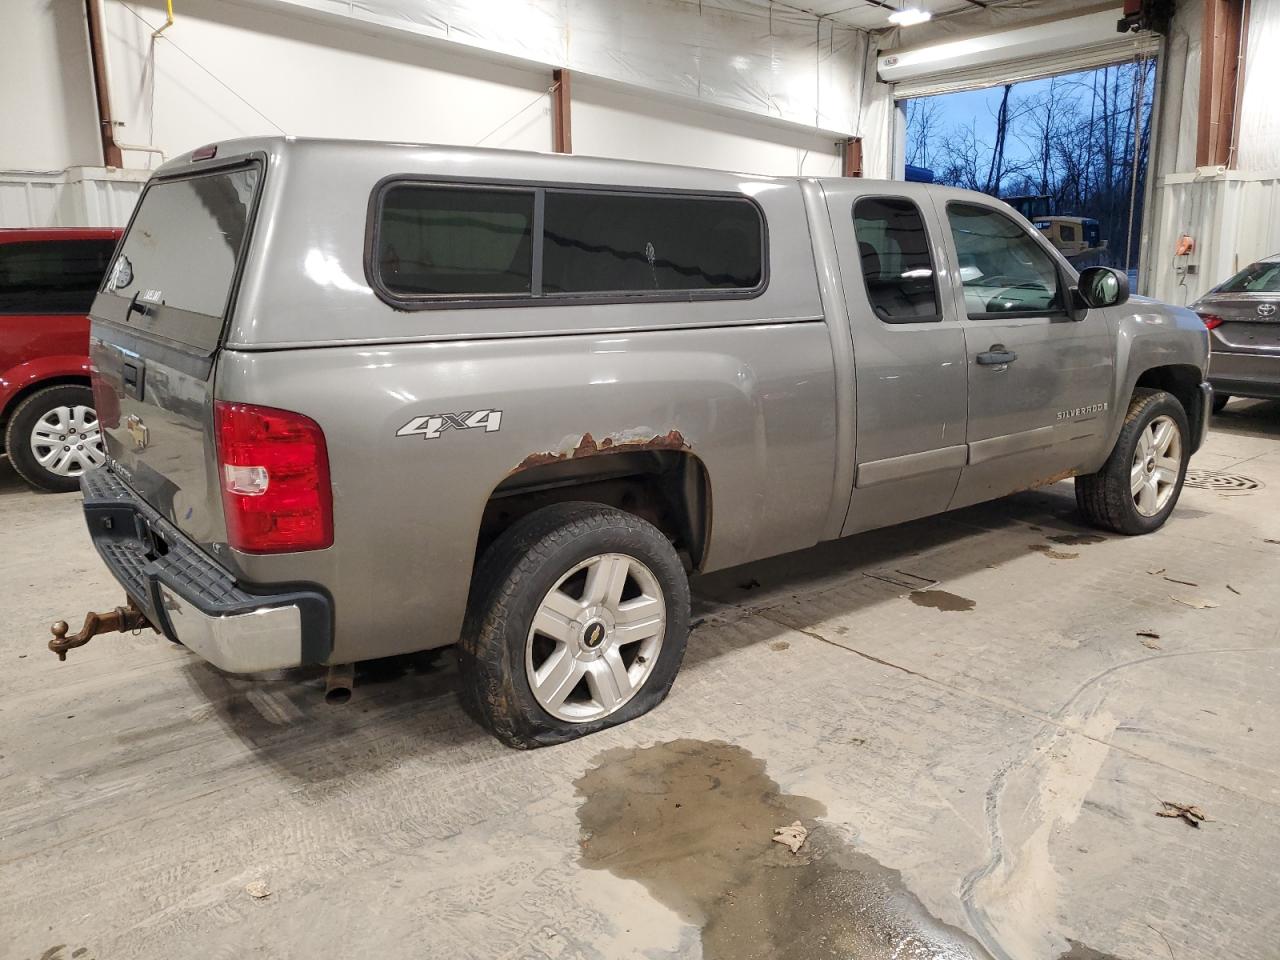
(693, 822)
(1077, 539)
(1051, 553)
(941, 600)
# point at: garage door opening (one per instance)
(1070, 152)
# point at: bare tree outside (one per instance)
(1080, 140)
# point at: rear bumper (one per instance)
(238, 627)
(1245, 374)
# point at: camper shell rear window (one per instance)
(443, 244)
(179, 260)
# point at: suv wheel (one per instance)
(53, 438)
(1138, 486)
(1220, 401)
(578, 620)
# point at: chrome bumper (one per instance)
(268, 638)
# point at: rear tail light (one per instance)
(274, 473)
(1211, 320)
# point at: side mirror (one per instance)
(1103, 287)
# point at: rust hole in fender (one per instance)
(588, 446)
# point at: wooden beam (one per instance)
(1219, 76)
(111, 155)
(851, 157)
(561, 117)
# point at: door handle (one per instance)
(997, 355)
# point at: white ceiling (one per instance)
(871, 14)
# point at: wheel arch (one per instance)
(1182, 381)
(669, 488)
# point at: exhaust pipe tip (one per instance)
(339, 683)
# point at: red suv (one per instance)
(48, 279)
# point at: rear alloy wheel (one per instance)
(53, 437)
(1138, 486)
(578, 619)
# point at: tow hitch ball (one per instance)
(124, 619)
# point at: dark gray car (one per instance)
(365, 399)
(1243, 317)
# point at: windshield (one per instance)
(1260, 277)
(184, 244)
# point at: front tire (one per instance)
(1220, 401)
(53, 437)
(1139, 485)
(578, 620)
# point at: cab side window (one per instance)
(893, 250)
(1002, 269)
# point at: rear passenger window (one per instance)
(52, 276)
(893, 249)
(435, 241)
(616, 243)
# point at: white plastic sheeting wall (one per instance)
(47, 109)
(771, 61)
(1258, 146)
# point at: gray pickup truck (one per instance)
(364, 399)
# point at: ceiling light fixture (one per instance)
(910, 16)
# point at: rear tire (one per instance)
(1137, 489)
(1220, 400)
(53, 437)
(577, 622)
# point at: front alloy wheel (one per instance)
(1157, 465)
(1139, 485)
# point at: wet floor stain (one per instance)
(941, 600)
(693, 822)
(1051, 553)
(1077, 539)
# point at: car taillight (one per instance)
(274, 474)
(1211, 320)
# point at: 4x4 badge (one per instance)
(430, 427)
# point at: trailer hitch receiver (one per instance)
(120, 620)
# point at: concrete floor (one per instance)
(989, 766)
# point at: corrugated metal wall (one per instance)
(77, 197)
(1234, 220)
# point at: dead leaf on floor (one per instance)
(1196, 603)
(1149, 638)
(1185, 583)
(1156, 573)
(793, 836)
(258, 889)
(1151, 644)
(1233, 590)
(1186, 812)
(1268, 540)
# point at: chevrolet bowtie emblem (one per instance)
(138, 430)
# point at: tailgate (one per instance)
(156, 328)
